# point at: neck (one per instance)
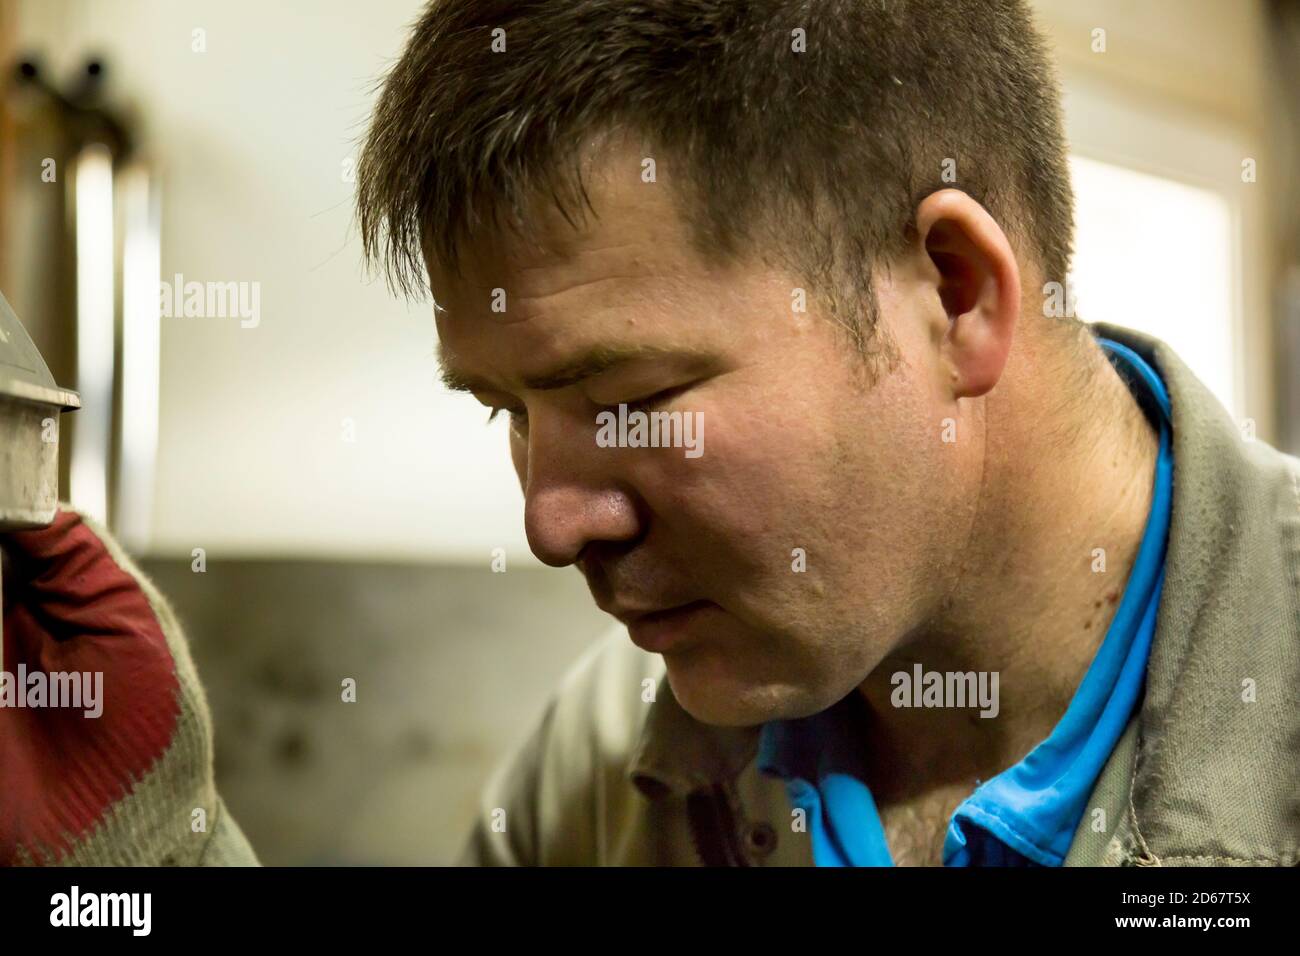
(1068, 468)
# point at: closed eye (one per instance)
(519, 416)
(657, 398)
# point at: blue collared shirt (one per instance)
(1027, 814)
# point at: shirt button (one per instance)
(760, 838)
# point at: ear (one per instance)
(979, 285)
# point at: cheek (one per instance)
(752, 493)
(851, 477)
(897, 504)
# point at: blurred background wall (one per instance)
(345, 509)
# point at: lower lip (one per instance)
(660, 632)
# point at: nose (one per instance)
(573, 494)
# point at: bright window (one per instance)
(1158, 256)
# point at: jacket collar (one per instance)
(1227, 612)
(677, 754)
(1204, 788)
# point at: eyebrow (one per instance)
(595, 361)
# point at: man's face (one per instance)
(799, 456)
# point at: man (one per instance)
(952, 580)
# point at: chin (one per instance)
(723, 698)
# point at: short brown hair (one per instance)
(821, 155)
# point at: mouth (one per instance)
(660, 631)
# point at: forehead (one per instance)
(627, 275)
(633, 229)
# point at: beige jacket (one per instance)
(1200, 776)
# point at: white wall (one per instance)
(251, 137)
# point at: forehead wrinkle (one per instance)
(587, 266)
(578, 284)
(523, 302)
(566, 260)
